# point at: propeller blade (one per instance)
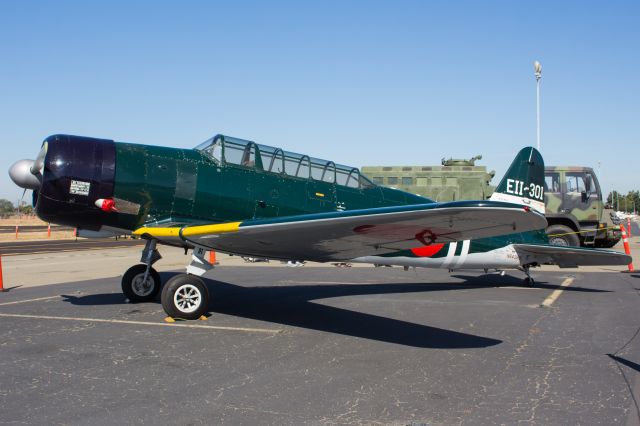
(38, 165)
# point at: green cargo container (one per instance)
(454, 180)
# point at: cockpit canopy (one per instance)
(229, 150)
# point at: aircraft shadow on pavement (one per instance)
(487, 281)
(95, 299)
(626, 362)
(293, 305)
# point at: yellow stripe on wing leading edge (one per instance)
(210, 229)
(189, 231)
(158, 232)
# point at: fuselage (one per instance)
(160, 185)
(152, 185)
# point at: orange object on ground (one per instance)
(212, 257)
(49, 231)
(627, 249)
(629, 227)
(1, 284)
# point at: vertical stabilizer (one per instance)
(524, 181)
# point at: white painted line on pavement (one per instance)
(28, 300)
(115, 321)
(556, 293)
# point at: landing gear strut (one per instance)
(528, 281)
(184, 296)
(141, 283)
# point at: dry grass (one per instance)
(24, 221)
(34, 236)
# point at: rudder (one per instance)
(524, 181)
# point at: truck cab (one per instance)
(575, 210)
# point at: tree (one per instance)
(6, 207)
(26, 209)
(629, 203)
(612, 199)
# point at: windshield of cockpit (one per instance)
(240, 152)
(212, 147)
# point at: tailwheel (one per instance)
(138, 285)
(185, 296)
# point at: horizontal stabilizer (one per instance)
(569, 257)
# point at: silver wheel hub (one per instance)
(142, 287)
(187, 298)
(558, 242)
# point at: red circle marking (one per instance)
(427, 251)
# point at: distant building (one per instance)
(454, 180)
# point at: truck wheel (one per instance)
(560, 235)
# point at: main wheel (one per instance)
(529, 282)
(136, 289)
(185, 296)
(561, 235)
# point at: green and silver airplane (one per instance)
(239, 197)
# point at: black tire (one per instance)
(560, 235)
(185, 296)
(137, 291)
(529, 282)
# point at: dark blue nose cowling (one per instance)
(77, 171)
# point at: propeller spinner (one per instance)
(27, 174)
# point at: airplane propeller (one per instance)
(27, 174)
(38, 166)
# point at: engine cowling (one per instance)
(77, 171)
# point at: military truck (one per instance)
(575, 211)
(455, 179)
(573, 199)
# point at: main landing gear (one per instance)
(141, 283)
(184, 296)
(528, 281)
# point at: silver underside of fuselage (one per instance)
(501, 258)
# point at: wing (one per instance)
(354, 233)
(569, 257)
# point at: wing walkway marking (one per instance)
(158, 324)
(556, 293)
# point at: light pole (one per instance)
(537, 68)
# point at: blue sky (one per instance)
(360, 83)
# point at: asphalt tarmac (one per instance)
(328, 345)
